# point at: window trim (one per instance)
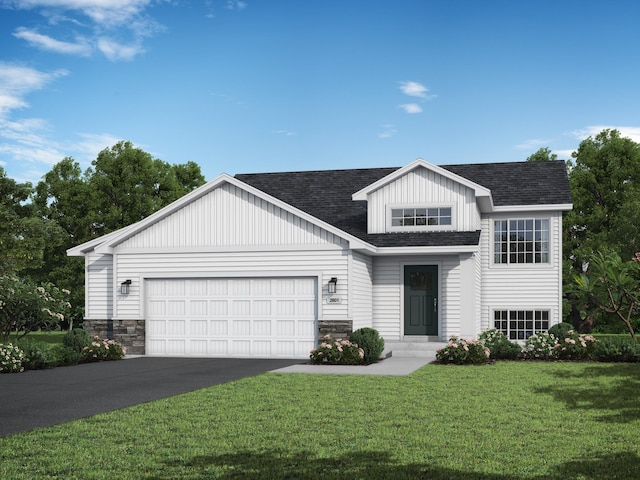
(420, 228)
(508, 320)
(509, 264)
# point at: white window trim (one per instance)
(492, 312)
(492, 243)
(423, 228)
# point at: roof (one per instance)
(327, 195)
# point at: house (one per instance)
(262, 265)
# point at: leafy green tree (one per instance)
(542, 155)
(613, 287)
(605, 185)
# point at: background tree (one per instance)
(605, 185)
(542, 155)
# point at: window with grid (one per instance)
(521, 324)
(521, 241)
(420, 217)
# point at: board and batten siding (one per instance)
(361, 290)
(99, 286)
(423, 187)
(522, 286)
(230, 217)
(388, 279)
(323, 263)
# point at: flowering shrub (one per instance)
(540, 346)
(575, 346)
(103, 350)
(11, 358)
(337, 352)
(500, 346)
(461, 351)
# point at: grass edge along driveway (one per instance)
(510, 420)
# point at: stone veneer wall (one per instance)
(129, 333)
(336, 328)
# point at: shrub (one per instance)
(540, 346)
(337, 352)
(100, 349)
(65, 356)
(11, 357)
(77, 339)
(370, 341)
(461, 351)
(499, 345)
(37, 355)
(616, 349)
(574, 346)
(560, 330)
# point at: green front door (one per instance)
(421, 300)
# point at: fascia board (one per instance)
(532, 208)
(449, 249)
(86, 247)
(107, 245)
(479, 190)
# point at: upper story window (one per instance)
(421, 217)
(521, 241)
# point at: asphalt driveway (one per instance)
(39, 398)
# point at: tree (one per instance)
(542, 155)
(612, 286)
(605, 185)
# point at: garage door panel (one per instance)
(264, 317)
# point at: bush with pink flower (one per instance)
(575, 346)
(337, 352)
(461, 351)
(103, 349)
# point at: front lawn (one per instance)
(508, 421)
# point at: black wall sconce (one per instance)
(332, 285)
(124, 287)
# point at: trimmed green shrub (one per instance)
(11, 358)
(77, 339)
(460, 351)
(37, 355)
(370, 341)
(618, 348)
(575, 346)
(337, 352)
(65, 356)
(560, 330)
(499, 345)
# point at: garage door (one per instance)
(231, 317)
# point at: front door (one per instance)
(421, 300)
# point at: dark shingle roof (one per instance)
(326, 194)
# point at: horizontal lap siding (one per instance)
(99, 286)
(137, 266)
(522, 286)
(362, 278)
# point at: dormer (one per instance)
(422, 197)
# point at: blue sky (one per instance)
(270, 85)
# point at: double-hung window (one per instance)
(521, 241)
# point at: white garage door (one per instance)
(231, 317)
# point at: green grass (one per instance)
(508, 421)
(46, 337)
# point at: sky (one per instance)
(287, 85)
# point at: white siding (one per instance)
(388, 279)
(423, 187)
(322, 263)
(99, 286)
(229, 217)
(522, 286)
(362, 290)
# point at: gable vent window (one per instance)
(421, 217)
(521, 241)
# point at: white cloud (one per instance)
(415, 89)
(591, 131)
(563, 154)
(236, 5)
(44, 42)
(116, 51)
(411, 108)
(103, 12)
(16, 81)
(388, 131)
(534, 143)
(286, 133)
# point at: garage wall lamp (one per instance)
(124, 287)
(332, 285)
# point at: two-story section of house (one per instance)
(260, 265)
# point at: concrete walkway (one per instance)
(390, 366)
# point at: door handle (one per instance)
(435, 304)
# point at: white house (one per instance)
(262, 265)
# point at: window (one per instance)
(521, 241)
(521, 324)
(420, 217)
